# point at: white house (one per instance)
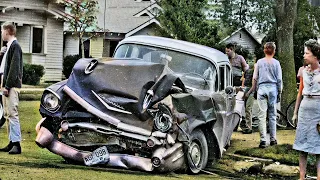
(39, 32)
(244, 38)
(117, 21)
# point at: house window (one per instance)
(240, 35)
(37, 40)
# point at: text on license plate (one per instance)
(98, 156)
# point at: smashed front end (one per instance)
(122, 113)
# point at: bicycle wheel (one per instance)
(281, 120)
(290, 112)
(2, 119)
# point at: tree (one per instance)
(305, 28)
(234, 14)
(285, 12)
(186, 20)
(81, 19)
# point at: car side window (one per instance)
(194, 71)
(225, 76)
(222, 73)
(228, 76)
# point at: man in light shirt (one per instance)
(238, 63)
(11, 69)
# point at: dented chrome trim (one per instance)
(90, 108)
(38, 126)
(104, 116)
(133, 129)
(107, 105)
(102, 129)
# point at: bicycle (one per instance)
(285, 120)
(282, 121)
(289, 114)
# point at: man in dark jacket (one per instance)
(11, 70)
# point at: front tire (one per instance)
(197, 153)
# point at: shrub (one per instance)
(32, 74)
(68, 63)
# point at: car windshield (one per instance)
(195, 72)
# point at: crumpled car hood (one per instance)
(122, 84)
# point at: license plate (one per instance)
(98, 156)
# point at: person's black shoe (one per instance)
(262, 144)
(243, 124)
(272, 143)
(7, 148)
(247, 131)
(16, 149)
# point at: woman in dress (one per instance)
(307, 135)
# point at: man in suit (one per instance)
(11, 69)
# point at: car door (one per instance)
(226, 102)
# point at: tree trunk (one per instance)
(81, 47)
(285, 12)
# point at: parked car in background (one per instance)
(158, 105)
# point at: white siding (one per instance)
(71, 46)
(96, 47)
(54, 59)
(28, 4)
(149, 30)
(243, 40)
(27, 58)
(33, 17)
(39, 59)
(24, 37)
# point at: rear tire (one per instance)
(197, 152)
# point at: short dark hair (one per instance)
(231, 46)
(313, 46)
(10, 27)
(269, 48)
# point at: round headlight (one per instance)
(50, 101)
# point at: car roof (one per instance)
(211, 54)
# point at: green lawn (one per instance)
(37, 163)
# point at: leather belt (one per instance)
(311, 96)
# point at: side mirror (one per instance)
(229, 90)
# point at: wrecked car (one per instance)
(158, 105)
